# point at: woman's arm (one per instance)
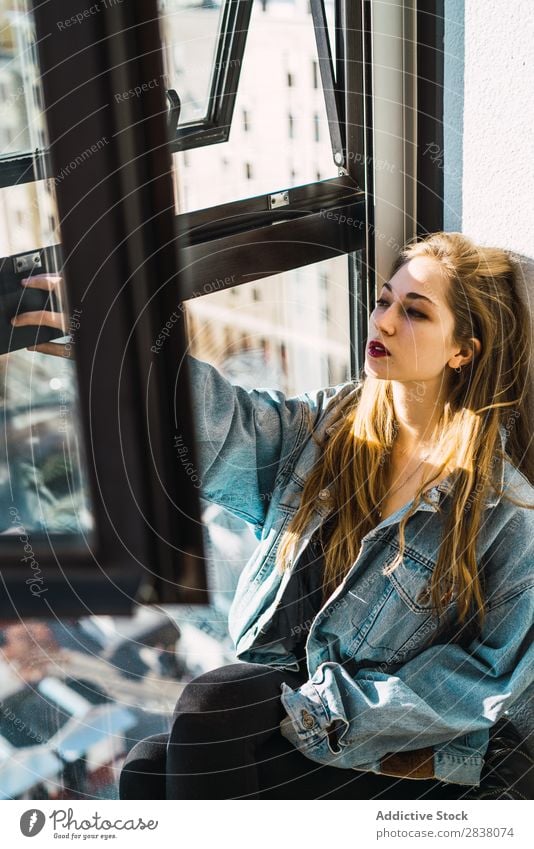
(245, 438)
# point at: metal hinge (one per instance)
(26, 262)
(278, 199)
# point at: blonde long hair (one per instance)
(490, 391)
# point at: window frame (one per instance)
(312, 222)
(214, 128)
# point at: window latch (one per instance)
(175, 108)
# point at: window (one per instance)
(273, 38)
(290, 80)
(291, 126)
(313, 342)
(316, 128)
(203, 48)
(246, 121)
(315, 74)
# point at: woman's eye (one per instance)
(381, 302)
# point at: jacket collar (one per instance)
(441, 490)
(324, 505)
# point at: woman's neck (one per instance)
(418, 408)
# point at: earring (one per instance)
(458, 369)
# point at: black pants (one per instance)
(225, 743)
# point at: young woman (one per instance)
(384, 623)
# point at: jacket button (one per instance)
(324, 494)
(307, 719)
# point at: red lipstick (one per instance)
(376, 349)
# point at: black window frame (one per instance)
(213, 128)
(313, 217)
(316, 221)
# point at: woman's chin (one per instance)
(377, 368)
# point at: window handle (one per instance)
(174, 112)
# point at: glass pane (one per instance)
(289, 331)
(43, 488)
(279, 136)
(21, 126)
(189, 30)
(330, 10)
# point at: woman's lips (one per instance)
(376, 349)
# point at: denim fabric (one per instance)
(381, 665)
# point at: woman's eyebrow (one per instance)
(413, 295)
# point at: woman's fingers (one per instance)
(54, 348)
(48, 282)
(44, 318)
(39, 318)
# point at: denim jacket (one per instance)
(383, 672)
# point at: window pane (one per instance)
(18, 85)
(276, 91)
(43, 487)
(330, 9)
(289, 331)
(189, 31)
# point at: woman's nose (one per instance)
(385, 320)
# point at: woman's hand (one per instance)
(48, 283)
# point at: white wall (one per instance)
(494, 156)
(489, 145)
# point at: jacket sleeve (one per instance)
(443, 693)
(245, 438)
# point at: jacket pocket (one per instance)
(403, 621)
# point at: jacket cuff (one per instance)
(309, 721)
